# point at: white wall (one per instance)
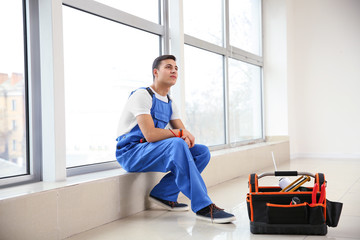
(324, 78)
(275, 67)
(312, 75)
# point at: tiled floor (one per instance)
(343, 180)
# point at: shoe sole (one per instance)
(177, 209)
(217, 220)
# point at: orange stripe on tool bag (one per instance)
(253, 183)
(249, 200)
(286, 205)
(320, 180)
(253, 188)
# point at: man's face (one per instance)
(167, 72)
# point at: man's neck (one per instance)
(161, 90)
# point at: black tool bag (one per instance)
(271, 212)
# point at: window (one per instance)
(13, 105)
(203, 19)
(245, 117)
(223, 85)
(204, 95)
(13, 125)
(103, 63)
(245, 19)
(12, 91)
(14, 145)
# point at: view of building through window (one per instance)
(13, 144)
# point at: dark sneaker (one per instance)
(214, 214)
(168, 205)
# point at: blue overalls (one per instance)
(173, 154)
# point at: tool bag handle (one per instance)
(285, 173)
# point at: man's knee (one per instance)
(201, 151)
(178, 143)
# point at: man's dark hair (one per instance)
(158, 60)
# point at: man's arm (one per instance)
(150, 132)
(153, 134)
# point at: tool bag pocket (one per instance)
(287, 214)
(333, 212)
(295, 214)
(316, 214)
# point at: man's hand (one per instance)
(186, 135)
(188, 138)
(187, 141)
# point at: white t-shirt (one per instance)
(140, 102)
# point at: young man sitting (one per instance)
(146, 145)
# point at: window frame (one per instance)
(31, 97)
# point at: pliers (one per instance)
(322, 194)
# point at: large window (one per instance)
(13, 132)
(223, 65)
(104, 62)
(82, 59)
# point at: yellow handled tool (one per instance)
(296, 184)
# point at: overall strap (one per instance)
(136, 90)
(152, 93)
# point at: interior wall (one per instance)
(275, 68)
(323, 56)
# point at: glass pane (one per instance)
(12, 91)
(203, 19)
(103, 64)
(245, 118)
(204, 96)
(245, 19)
(147, 9)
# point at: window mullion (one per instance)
(166, 36)
(34, 89)
(177, 49)
(226, 67)
(52, 91)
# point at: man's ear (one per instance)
(155, 71)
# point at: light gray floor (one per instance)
(343, 184)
